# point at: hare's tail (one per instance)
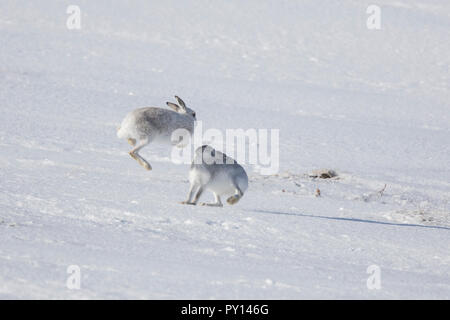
(121, 133)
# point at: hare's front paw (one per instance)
(211, 204)
(132, 141)
(187, 202)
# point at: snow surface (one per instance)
(373, 105)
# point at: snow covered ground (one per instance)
(374, 105)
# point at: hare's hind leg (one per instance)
(216, 203)
(237, 196)
(136, 156)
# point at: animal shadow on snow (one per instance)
(350, 219)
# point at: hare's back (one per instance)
(150, 120)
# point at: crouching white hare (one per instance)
(212, 170)
(144, 125)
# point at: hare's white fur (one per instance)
(214, 171)
(144, 125)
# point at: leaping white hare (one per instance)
(215, 171)
(144, 125)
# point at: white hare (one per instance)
(215, 171)
(144, 125)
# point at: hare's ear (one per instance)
(174, 106)
(181, 102)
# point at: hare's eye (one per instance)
(193, 114)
